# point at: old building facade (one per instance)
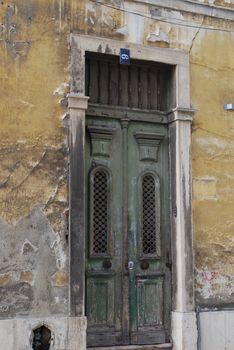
(116, 181)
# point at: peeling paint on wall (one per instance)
(34, 72)
(29, 266)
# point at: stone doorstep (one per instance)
(167, 346)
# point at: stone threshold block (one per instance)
(65, 333)
(167, 346)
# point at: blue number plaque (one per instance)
(124, 56)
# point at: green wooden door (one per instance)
(149, 239)
(128, 234)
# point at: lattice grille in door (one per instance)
(100, 210)
(149, 217)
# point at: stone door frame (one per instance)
(184, 329)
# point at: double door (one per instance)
(128, 270)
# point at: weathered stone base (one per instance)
(216, 330)
(184, 331)
(68, 333)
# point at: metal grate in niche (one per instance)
(149, 215)
(100, 212)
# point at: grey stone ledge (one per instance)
(193, 7)
(182, 114)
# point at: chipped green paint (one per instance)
(119, 285)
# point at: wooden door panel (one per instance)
(148, 337)
(100, 301)
(150, 301)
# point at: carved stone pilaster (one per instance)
(77, 105)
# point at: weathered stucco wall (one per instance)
(33, 159)
(212, 76)
(34, 73)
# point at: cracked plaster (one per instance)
(31, 255)
(33, 154)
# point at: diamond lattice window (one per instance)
(100, 212)
(148, 215)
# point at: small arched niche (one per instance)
(41, 338)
